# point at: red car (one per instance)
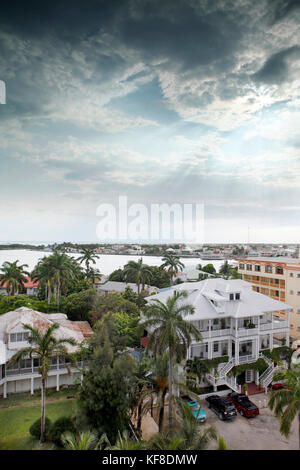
(278, 386)
(243, 405)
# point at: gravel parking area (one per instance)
(259, 433)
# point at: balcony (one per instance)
(246, 332)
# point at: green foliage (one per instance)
(130, 295)
(9, 303)
(201, 367)
(127, 326)
(209, 268)
(61, 425)
(78, 305)
(278, 354)
(112, 303)
(104, 397)
(35, 428)
(260, 365)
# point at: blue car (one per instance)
(197, 411)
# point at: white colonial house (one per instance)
(24, 376)
(235, 322)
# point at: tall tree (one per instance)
(172, 263)
(286, 401)
(13, 275)
(168, 329)
(105, 393)
(138, 272)
(88, 256)
(44, 346)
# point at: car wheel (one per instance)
(241, 413)
(221, 416)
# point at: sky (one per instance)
(162, 101)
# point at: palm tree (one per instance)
(124, 442)
(88, 256)
(44, 346)
(57, 270)
(286, 401)
(173, 263)
(168, 329)
(83, 441)
(138, 272)
(13, 275)
(43, 274)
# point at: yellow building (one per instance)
(278, 278)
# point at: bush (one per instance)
(61, 425)
(35, 428)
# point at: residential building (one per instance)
(31, 287)
(236, 323)
(24, 376)
(115, 286)
(278, 278)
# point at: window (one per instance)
(277, 293)
(237, 296)
(291, 275)
(216, 347)
(17, 337)
(249, 267)
(268, 268)
(279, 270)
(257, 267)
(291, 292)
(298, 275)
(298, 293)
(231, 296)
(241, 266)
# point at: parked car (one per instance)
(278, 386)
(243, 405)
(197, 411)
(222, 406)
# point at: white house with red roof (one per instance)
(31, 287)
(24, 376)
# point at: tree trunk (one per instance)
(170, 385)
(139, 418)
(138, 286)
(43, 408)
(161, 412)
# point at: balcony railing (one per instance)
(247, 358)
(247, 331)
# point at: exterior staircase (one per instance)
(266, 378)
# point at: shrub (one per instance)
(35, 428)
(61, 425)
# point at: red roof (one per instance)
(28, 283)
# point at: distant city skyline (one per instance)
(186, 101)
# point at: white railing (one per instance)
(231, 382)
(245, 359)
(247, 331)
(224, 332)
(225, 367)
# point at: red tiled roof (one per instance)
(28, 283)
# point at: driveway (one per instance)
(259, 433)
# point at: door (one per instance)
(249, 376)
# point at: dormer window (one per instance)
(237, 296)
(231, 296)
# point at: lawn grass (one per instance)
(19, 412)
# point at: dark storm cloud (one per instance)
(280, 9)
(276, 68)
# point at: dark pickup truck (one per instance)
(222, 406)
(243, 405)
